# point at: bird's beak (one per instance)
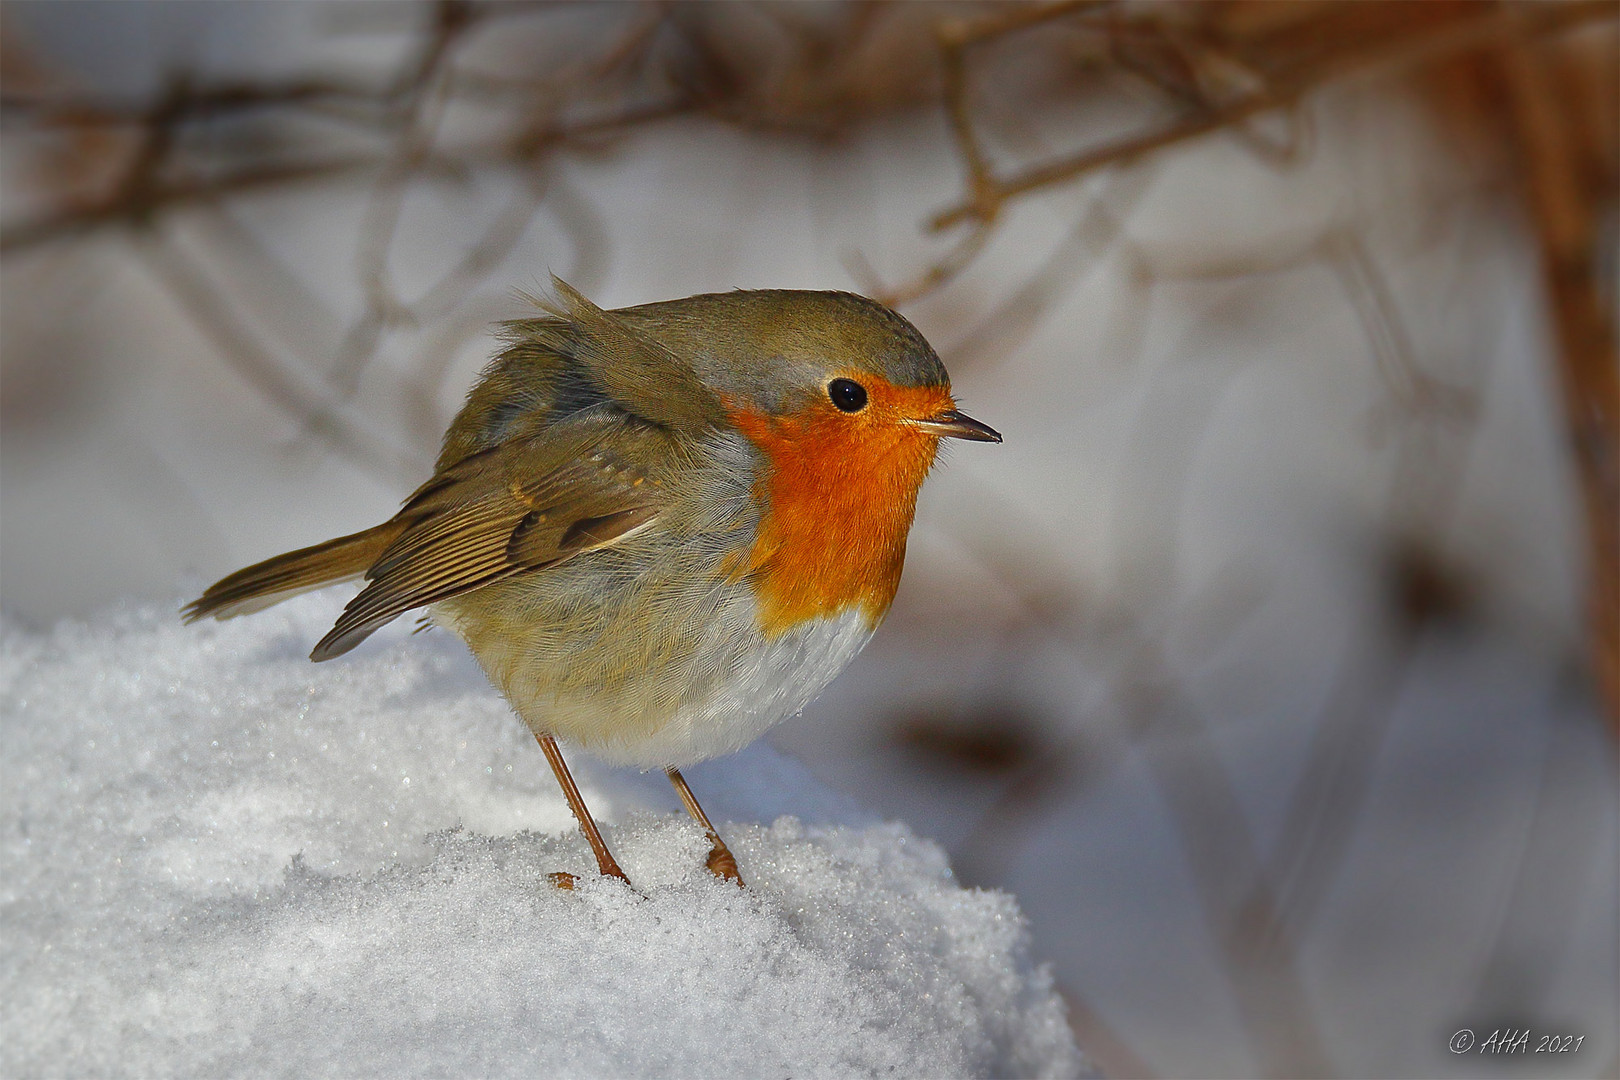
(951, 424)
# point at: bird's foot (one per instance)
(722, 863)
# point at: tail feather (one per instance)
(277, 579)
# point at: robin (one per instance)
(661, 529)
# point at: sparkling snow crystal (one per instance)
(220, 859)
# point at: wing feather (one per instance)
(638, 373)
(519, 510)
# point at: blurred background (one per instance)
(1271, 662)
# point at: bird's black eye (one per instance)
(847, 394)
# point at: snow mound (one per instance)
(219, 859)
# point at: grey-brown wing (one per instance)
(639, 373)
(510, 510)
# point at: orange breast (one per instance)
(839, 499)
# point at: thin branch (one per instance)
(931, 277)
(1478, 28)
(1563, 194)
(193, 288)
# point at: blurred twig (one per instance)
(1408, 34)
(212, 311)
(956, 36)
(1567, 182)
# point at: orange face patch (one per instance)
(839, 497)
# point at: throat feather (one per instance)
(838, 500)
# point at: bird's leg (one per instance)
(604, 857)
(721, 862)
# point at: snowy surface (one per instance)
(222, 860)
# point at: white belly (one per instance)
(709, 690)
(778, 681)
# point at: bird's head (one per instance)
(847, 403)
(834, 371)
